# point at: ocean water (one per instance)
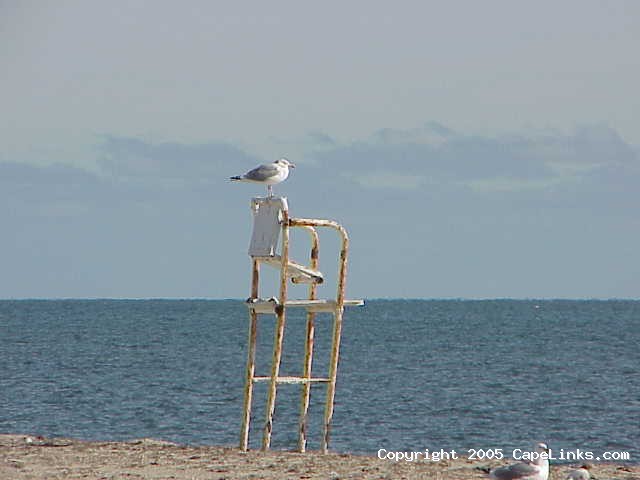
(414, 374)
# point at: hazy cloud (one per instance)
(589, 160)
(387, 180)
(162, 219)
(510, 163)
(585, 164)
(54, 190)
(125, 157)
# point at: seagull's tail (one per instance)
(236, 178)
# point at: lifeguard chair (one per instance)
(270, 221)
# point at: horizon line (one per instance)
(602, 299)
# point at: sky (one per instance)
(471, 149)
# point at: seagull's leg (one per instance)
(270, 190)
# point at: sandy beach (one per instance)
(32, 457)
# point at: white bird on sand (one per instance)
(537, 469)
(581, 473)
(269, 174)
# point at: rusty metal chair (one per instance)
(270, 222)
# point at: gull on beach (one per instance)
(269, 174)
(537, 469)
(581, 473)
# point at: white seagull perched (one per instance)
(269, 174)
(537, 469)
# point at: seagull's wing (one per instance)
(514, 471)
(262, 173)
(579, 474)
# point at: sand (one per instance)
(30, 457)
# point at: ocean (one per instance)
(413, 374)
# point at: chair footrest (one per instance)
(269, 306)
(292, 379)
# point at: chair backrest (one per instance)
(267, 219)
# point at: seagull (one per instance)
(269, 174)
(581, 473)
(537, 469)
